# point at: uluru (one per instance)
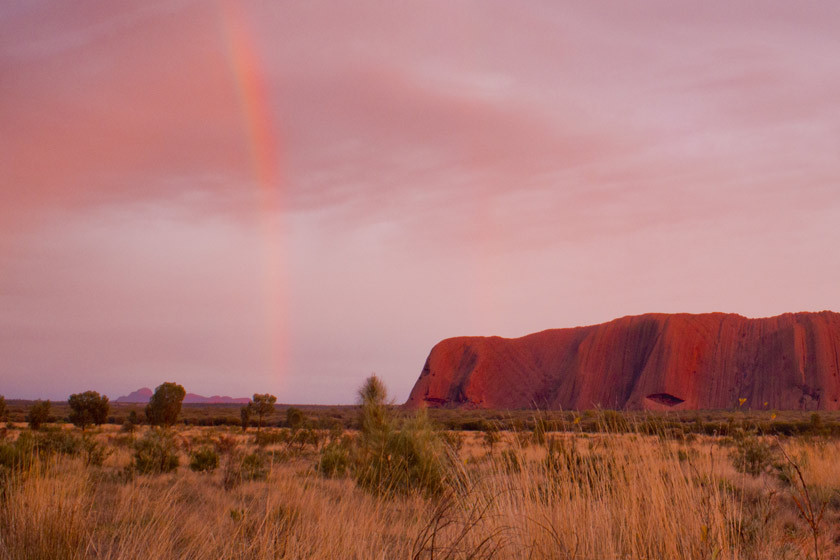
(653, 361)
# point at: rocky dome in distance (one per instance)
(653, 361)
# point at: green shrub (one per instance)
(392, 459)
(125, 440)
(271, 437)
(39, 413)
(491, 436)
(59, 441)
(17, 456)
(156, 452)
(225, 445)
(335, 459)
(131, 422)
(405, 460)
(205, 459)
(95, 451)
(239, 468)
(299, 439)
(295, 418)
(255, 466)
(752, 455)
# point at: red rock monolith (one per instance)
(654, 361)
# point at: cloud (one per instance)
(445, 168)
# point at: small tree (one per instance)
(131, 422)
(165, 405)
(294, 418)
(262, 405)
(245, 416)
(3, 411)
(88, 408)
(372, 397)
(394, 457)
(491, 435)
(39, 413)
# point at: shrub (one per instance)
(58, 441)
(271, 437)
(156, 452)
(17, 456)
(491, 436)
(255, 466)
(225, 445)
(95, 451)
(405, 460)
(39, 413)
(239, 468)
(3, 410)
(125, 440)
(335, 459)
(299, 439)
(752, 455)
(294, 418)
(131, 422)
(205, 459)
(397, 460)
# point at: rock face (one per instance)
(655, 361)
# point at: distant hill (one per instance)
(138, 396)
(655, 361)
(143, 395)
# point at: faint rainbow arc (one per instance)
(265, 149)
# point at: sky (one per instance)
(285, 197)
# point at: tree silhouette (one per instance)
(88, 408)
(262, 405)
(165, 405)
(294, 418)
(245, 416)
(39, 413)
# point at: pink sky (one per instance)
(287, 196)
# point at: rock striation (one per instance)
(653, 361)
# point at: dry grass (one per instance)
(603, 496)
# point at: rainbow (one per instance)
(266, 153)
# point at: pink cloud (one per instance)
(446, 168)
